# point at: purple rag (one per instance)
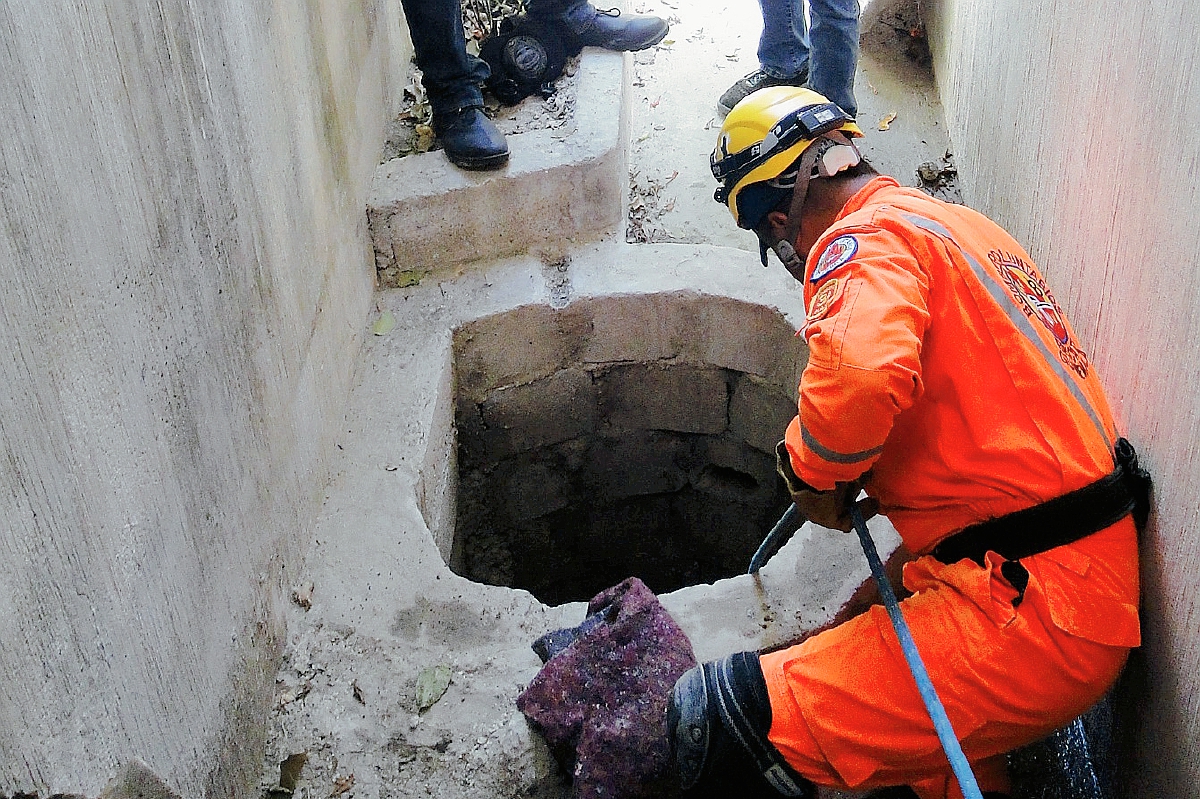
(601, 700)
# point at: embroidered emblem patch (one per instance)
(1036, 300)
(823, 300)
(837, 252)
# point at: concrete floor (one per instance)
(711, 44)
(400, 676)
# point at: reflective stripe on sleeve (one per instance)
(836, 457)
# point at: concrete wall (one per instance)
(1077, 126)
(184, 281)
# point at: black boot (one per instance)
(470, 139)
(595, 28)
(718, 719)
(608, 29)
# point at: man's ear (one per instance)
(777, 224)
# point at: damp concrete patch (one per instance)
(613, 383)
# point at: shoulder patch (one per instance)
(823, 300)
(836, 253)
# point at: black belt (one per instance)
(1059, 521)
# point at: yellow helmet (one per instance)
(766, 133)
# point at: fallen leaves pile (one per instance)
(646, 205)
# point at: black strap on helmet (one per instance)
(806, 172)
(810, 122)
(782, 247)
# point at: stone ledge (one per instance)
(559, 186)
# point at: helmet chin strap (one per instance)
(784, 247)
(790, 259)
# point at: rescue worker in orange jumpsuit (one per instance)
(944, 379)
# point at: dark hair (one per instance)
(763, 228)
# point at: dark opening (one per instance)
(574, 479)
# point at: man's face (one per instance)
(774, 233)
(775, 230)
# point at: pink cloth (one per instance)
(600, 700)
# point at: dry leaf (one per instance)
(289, 770)
(408, 277)
(431, 685)
(342, 784)
(887, 121)
(384, 324)
(295, 694)
(425, 139)
(302, 594)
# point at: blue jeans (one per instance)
(451, 76)
(829, 50)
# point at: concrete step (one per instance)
(560, 186)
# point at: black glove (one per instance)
(827, 508)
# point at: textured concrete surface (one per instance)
(185, 271)
(560, 185)
(183, 284)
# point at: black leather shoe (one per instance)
(470, 139)
(611, 31)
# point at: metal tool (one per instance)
(780, 533)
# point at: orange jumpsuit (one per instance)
(939, 361)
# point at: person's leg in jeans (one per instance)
(452, 78)
(833, 54)
(790, 54)
(782, 52)
(783, 47)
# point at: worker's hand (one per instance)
(832, 508)
(827, 508)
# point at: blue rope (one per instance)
(941, 722)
